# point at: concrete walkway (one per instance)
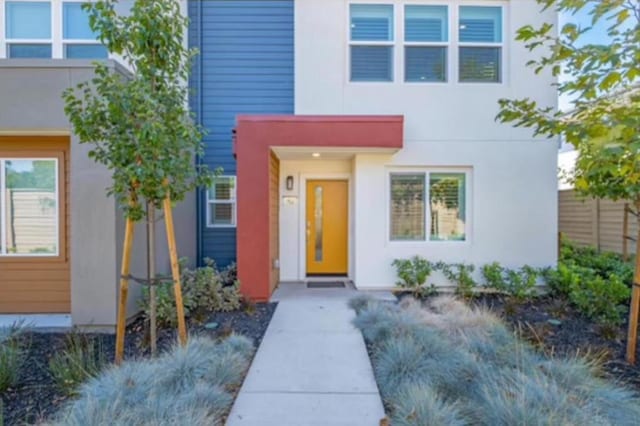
(312, 367)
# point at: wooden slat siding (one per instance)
(274, 218)
(39, 284)
(598, 224)
(246, 67)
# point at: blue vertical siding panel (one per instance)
(245, 67)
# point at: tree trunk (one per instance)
(151, 275)
(635, 299)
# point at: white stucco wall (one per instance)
(511, 207)
(513, 177)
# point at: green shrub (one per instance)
(590, 281)
(13, 350)
(563, 279)
(602, 264)
(204, 290)
(413, 274)
(519, 284)
(493, 274)
(460, 274)
(81, 359)
(601, 299)
(190, 385)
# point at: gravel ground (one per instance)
(554, 327)
(36, 397)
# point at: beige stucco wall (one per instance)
(31, 103)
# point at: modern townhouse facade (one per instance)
(383, 144)
(350, 133)
(60, 235)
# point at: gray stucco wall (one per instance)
(31, 103)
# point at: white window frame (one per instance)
(4, 51)
(3, 203)
(56, 41)
(500, 45)
(427, 171)
(73, 40)
(232, 201)
(445, 44)
(453, 60)
(391, 43)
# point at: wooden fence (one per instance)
(597, 223)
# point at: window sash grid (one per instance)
(428, 237)
(3, 204)
(57, 41)
(232, 201)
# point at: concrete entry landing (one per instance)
(312, 367)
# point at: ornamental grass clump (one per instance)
(13, 350)
(441, 362)
(192, 384)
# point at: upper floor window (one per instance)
(426, 36)
(28, 29)
(79, 41)
(49, 29)
(480, 54)
(440, 41)
(371, 38)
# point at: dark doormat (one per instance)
(325, 284)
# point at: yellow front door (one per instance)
(327, 227)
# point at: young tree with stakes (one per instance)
(604, 124)
(140, 128)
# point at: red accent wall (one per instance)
(255, 136)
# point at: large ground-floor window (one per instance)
(29, 206)
(428, 205)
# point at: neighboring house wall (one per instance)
(31, 104)
(593, 222)
(40, 283)
(245, 66)
(449, 127)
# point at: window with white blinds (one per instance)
(480, 51)
(437, 41)
(371, 42)
(426, 36)
(408, 207)
(429, 200)
(221, 202)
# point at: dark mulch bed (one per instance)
(37, 397)
(556, 328)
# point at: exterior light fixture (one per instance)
(315, 155)
(289, 183)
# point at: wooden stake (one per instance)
(175, 269)
(151, 275)
(634, 309)
(625, 233)
(124, 290)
